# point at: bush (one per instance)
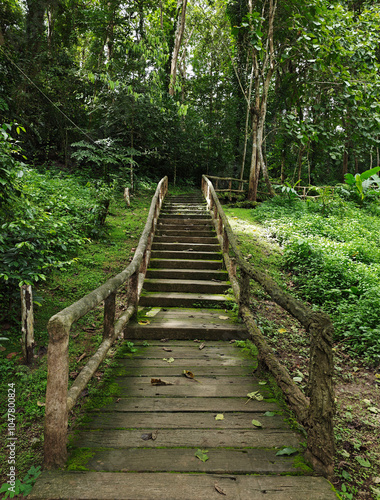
(335, 262)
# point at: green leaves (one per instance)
(286, 452)
(202, 455)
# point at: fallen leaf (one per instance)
(219, 416)
(147, 436)
(202, 346)
(170, 360)
(282, 330)
(254, 395)
(40, 404)
(118, 400)
(158, 381)
(2, 348)
(373, 409)
(167, 349)
(297, 379)
(196, 340)
(286, 451)
(188, 374)
(154, 435)
(256, 423)
(144, 322)
(153, 312)
(202, 455)
(262, 382)
(219, 489)
(223, 317)
(232, 341)
(363, 462)
(164, 340)
(269, 414)
(11, 355)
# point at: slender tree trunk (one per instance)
(181, 8)
(263, 70)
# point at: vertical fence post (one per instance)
(56, 415)
(27, 322)
(244, 288)
(109, 316)
(320, 432)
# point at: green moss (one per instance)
(299, 463)
(79, 459)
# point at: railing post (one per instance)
(133, 289)
(226, 242)
(109, 316)
(244, 289)
(320, 433)
(56, 415)
(220, 225)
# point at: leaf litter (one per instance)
(158, 381)
(202, 455)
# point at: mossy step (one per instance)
(204, 240)
(184, 274)
(176, 299)
(185, 254)
(173, 263)
(186, 286)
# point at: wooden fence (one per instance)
(316, 410)
(60, 400)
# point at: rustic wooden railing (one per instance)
(222, 182)
(315, 412)
(59, 399)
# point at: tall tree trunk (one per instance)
(181, 9)
(263, 69)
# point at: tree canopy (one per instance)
(247, 88)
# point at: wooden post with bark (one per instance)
(27, 322)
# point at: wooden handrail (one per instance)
(60, 400)
(316, 412)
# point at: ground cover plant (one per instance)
(295, 243)
(102, 255)
(334, 258)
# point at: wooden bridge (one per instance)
(191, 418)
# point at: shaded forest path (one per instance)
(192, 438)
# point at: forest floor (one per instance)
(357, 425)
(357, 389)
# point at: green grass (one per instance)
(332, 257)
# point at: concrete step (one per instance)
(186, 239)
(205, 233)
(176, 216)
(185, 286)
(187, 324)
(194, 229)
(178, 221)
(185, 264)
(176, 299)
(185, 274)
(189, 247)
(192, 255)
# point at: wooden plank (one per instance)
(192, 362)
(190, 389)
(184, 352)
(187, 420)
(216, 405)
(202, 438)
(184, 460)
(166, 486)
(166, 371)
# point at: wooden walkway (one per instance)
(200, 437)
